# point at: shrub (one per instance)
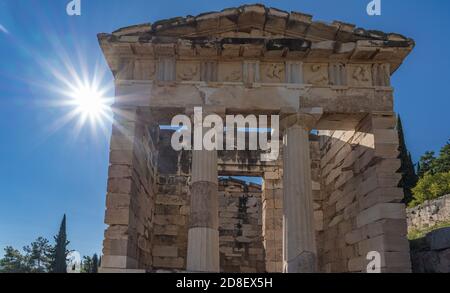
(431, 186)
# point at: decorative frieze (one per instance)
(125, 69)
(188, 71)
(294, 72)
(166, 69)
(144, 69)
(381, 74)
(272, 72)
(230, 71)
(360, 75)
(251, 72)
(316, 73)
(208, 71)
(337, 74)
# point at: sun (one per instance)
(89, 102)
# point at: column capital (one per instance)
(305, 118)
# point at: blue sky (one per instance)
(46, 172)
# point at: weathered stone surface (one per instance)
(439, 239)
(431, 254)
(381, 211)
(204, 205)
(253, 59)
(429, 213)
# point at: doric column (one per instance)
(203, 235)
(299, 247)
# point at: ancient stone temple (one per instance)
(328, 200)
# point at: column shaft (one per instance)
(299, 248)
(203, 236)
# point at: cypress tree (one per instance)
(95, 263)
(409, 177)
(60, 252)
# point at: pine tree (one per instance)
(37, 255)
(427, 164)
(59, 252)
(442, 163)
(13, 262)
(409, 177)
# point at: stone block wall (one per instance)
(172, 207)
(357, 204)
(362, 202)
(240, 227)
(272, 217)
(431, 254)
(130, 197)
(429, 213)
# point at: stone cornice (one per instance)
(244, 18)
(258, 32)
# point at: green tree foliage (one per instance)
(38, 255)
(42, 257)
(430, 164)
(434, 173)
(442, 163)
(59, 252)
(90, 264)
(86, 265)
(426, 164)
(34, 259)
(409, 177)
(13, 262)
(431, 186)
(95, 263)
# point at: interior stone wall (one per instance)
(362, 202)
(172, 206)
(239, 253)
(240, 227)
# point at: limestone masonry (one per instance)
(429, 214)
(330, 198)
(431, 253)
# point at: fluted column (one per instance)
(299, 247)
(203, 236)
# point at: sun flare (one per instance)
(89, 102)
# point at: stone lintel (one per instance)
(237, 97)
